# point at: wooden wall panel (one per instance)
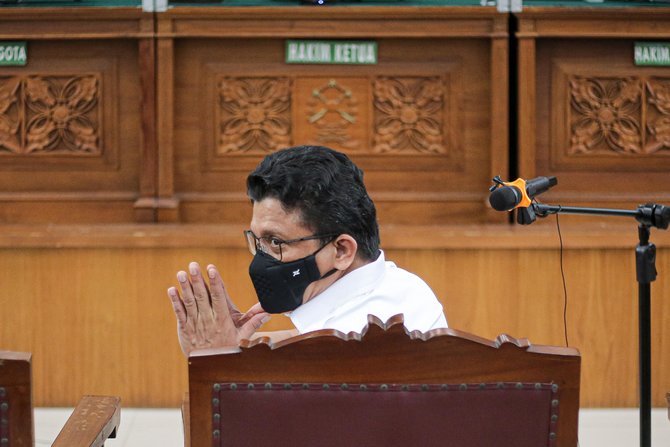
(98, 320)
(74, 141)
(592, 117)
(420, 122)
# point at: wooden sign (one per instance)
(652, 53)
(331, 52)
(13, 53)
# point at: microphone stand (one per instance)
(647, 216)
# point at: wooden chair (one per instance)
(95, 418)
(384, 387)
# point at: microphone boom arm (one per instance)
(650, 215)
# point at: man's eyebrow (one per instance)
(267, 234)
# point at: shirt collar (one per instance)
(355, 283)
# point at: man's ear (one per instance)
(346, 249)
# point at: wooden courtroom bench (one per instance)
(95, 418)
(383, 387)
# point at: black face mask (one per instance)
(280, 286)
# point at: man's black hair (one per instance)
(325, 187)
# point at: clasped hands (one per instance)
(206, 316)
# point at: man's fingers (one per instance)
(187, 295)
(177, 306)
(220, 299)
(199, 290)
(184, 325)
(254, 323)
(232, 308)
(253, 310)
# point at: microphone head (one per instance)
(505, 198)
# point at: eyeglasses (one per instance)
(273, 245)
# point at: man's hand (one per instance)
(206, 317)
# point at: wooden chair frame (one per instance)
(385, 354)
(94, 419)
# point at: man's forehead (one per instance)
(270, 217)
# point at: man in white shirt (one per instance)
(379, 288)
(315, 241)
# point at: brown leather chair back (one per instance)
(16, 400)
(385, 387)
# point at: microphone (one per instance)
(506, 196)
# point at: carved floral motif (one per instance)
(9, 115)
(629, 115)
(50, 114)
(606, 116)
(333, 109)
(409, 115)
(658, 121)
(254, 115)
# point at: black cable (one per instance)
(565, 289)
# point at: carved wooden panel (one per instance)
(605, 115)
(616, 119)
(46, 114)
(333, 112)
(629, 115)
(419, 123)
(596, 121)
(657, 122)
(410, 116)
(253, 115)
(70, 133)
(60, 113)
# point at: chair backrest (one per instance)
(16, 399)
(385, 387)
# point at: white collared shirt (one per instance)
(379, 288)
